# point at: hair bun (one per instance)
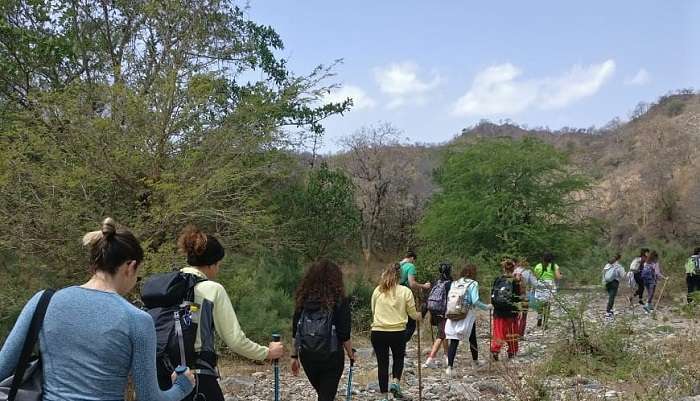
(109, 227)
(192, 241)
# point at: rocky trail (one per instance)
(503, 380)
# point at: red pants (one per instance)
(505, 330)
(522, 322)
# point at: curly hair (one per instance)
(323, 281)
(390, 277)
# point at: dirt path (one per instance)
(493, 380)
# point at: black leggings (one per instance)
(324, 375)
(693, 282)
(640, 284)
(382, 341)
(611, 287)
(452, 350)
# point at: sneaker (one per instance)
(539, 322)
(494, 356)
(395, 389)
(429, 363)
(476, 364)
(647, 309)
(641, 302)
(609, 315)
(448, 372)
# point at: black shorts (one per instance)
(439, 321)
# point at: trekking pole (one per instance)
(420, 377)
(490, 339)
(276, 368)
(661, 294)
(352, 364)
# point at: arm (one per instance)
(414, 285)
(411, 305)
(9, 355)
(557, 273)
(229, 329)
(343, 327)
(143, 364)
(474, 296)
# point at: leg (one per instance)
(512, 336)
(314, 371)
(640, 286)
(523, 323)
(435, 349)
(473, 347)
(381, 350)
(690, 284)
(398, 353)
(696, 286)
(498, 335)
(331, 377)
(452, 352)
(546, 310)
(651, 289)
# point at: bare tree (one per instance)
(381, 169)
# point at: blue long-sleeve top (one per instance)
(474, 296)
(90, 342)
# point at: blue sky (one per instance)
(432, 68)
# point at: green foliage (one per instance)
(321, 214)
(505, 197)
(359, 292)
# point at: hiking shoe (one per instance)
(647, 310)
(448, 372)
(395, 389)
(430, 363)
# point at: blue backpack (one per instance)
(648, 272)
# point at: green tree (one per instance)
(322, 215)
(503, 196)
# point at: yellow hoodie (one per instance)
(392, 309)
(225, 320)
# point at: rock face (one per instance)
(489, 380)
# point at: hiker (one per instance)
(437, 305)
(651, 273)
(692, 274)
(392, 306)
(408, 279)
(547, 273)
(636, 269)
(506, 298)
(613, 273)
(461, 315)
(92, 339)
(527, 279)
(204, 254)
(321, 328)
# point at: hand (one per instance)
(275, 351)
(426, 286)
(419, 318)
(188, 374)
(351, 355)
(295, 367)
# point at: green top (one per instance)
(690, 266)
(548, 274)
(407, 269)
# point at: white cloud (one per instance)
(401, 81)
(499, 90)
(360, 99)
(642, 77)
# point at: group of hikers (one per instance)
(91, 339)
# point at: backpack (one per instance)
(636, 265)
(316, 336)
(503, 294)
(437, 299)
(169, 299)
(458, 301)
(609, 274)
(696, 263)
(648, 273)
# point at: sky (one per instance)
(431, 68)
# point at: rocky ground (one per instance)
(492, 380)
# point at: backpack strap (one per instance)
(29, 342)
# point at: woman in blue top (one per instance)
(92, 339)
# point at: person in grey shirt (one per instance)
(92, 339)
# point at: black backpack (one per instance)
(316, 336)
(437, 299)
(503, 294)
(169, 299)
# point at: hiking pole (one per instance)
(352, 364)
(420, 377)
(276, 368)
(661, 294)
(490, 339)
